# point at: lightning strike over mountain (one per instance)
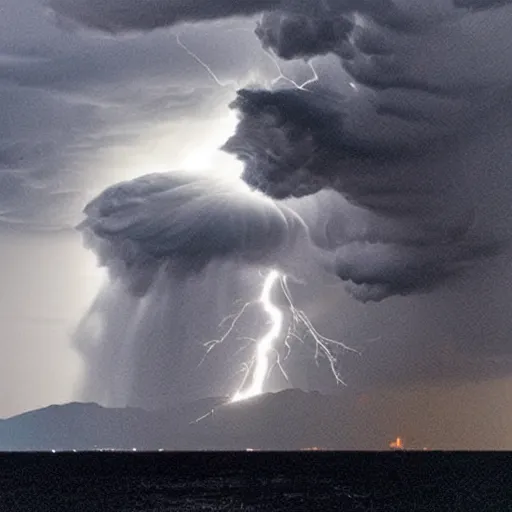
(266, 344)
(260, 367)
(389, 176)
(258, 370)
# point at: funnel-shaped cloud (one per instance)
(186, 221)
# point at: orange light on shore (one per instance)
(397, 444)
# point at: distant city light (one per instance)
(397, 444)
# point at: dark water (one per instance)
(258, 481)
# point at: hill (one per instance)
(288, 420)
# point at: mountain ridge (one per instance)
(281, 421)
(469, 417)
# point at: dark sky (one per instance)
(407, 131)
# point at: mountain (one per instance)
(467, 417)
(288, 420)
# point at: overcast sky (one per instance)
(82, 110)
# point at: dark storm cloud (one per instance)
(123, 15)
(292, 145)
(416, 154)
(296, 142)
(284, 140)
(294, 36)
(480, 4)
(427, 76)
(379, 270)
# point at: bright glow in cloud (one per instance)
(207, 156)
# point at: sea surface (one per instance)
(256, 481)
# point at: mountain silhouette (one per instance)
(465, 417)
(288, 420)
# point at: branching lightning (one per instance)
(210, 345)
(266, 344)
(257, 370)
(302, 87)
(322, 343)
(201, 62)
(235, 85)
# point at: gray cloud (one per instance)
(413, 158)
(119, 15)
(185, 221)
(80, 111)
(71, 99)
(122, 15)
(293, 36)
(296, 142)
(173, 244)
(480, 4)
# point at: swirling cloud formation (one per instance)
(419, 144)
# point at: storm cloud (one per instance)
(82, 111)
(391, 173)
(184, 221)
(399, 144)
(173, 244)
(122, 16)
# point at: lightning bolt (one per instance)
(258, 370)
(266, 344)
(323, 345)
(302, 87)
(233, 84)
